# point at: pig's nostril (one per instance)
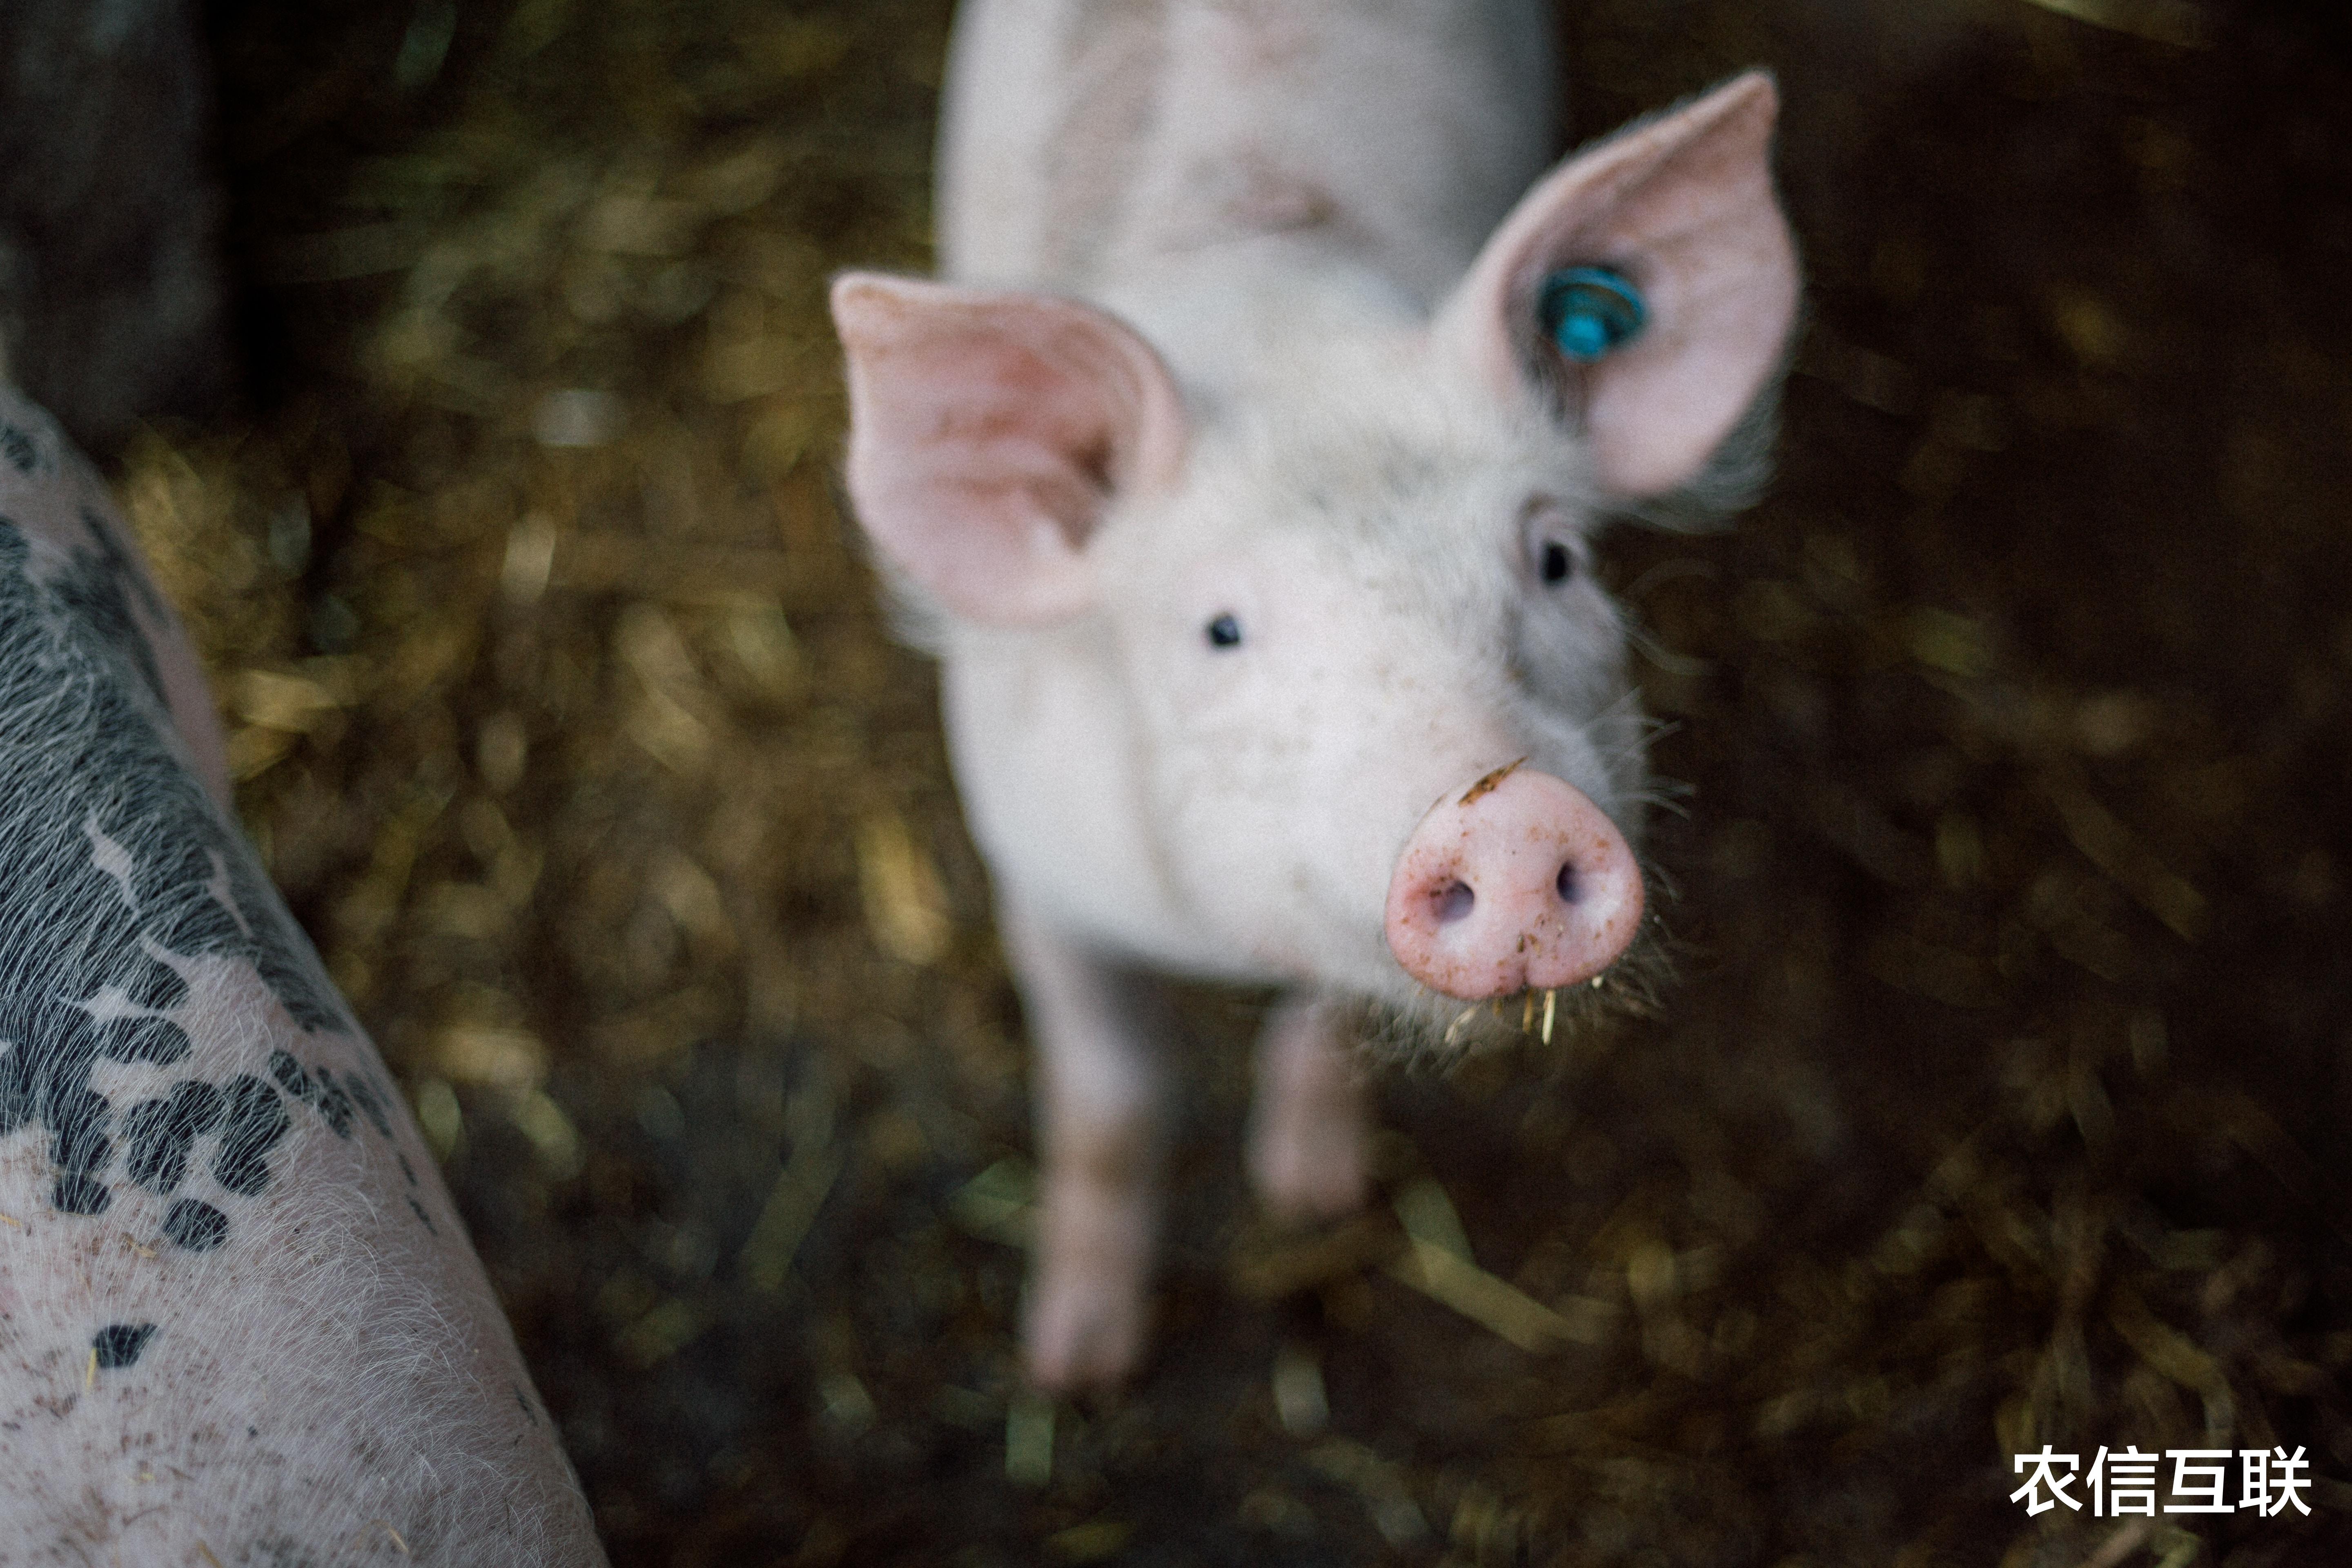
(1453, 903)
(1566, 883)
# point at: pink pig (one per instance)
(1243, 475)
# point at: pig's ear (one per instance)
(988, 434)
(1681, 209)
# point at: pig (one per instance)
(240, 1323)
(1242, 474)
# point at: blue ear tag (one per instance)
(1589, 310)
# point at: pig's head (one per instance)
(1383, 730)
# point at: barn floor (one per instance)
(2000, 1096)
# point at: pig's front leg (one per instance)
(1103, 1135)
(1307, 1145)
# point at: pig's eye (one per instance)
(1554, 562)
(1224, 632)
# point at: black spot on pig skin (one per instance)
(101, 595)
(370, 1101)
(157, 1040)
(198, 1226)
(254, 1123)
(79, 1195)
(290, 1074)
(333, 1103)
(161, 1131)
(119, 1344)
(334, 1099)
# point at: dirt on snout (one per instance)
(2000, 1101)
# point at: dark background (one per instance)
(2000, 1099)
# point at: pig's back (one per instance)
(1086, 140)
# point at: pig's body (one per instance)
(1086, 144)
(1278, 537)
(239, 1321)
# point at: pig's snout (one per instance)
(1517, 882)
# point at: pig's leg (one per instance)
(240, 1320)
(1306, 1150)
(1103, 1135)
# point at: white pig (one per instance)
(1244, 473)
(240, 1324)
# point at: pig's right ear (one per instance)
(988, 434)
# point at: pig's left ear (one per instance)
(988, 434)
(1682, 211)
